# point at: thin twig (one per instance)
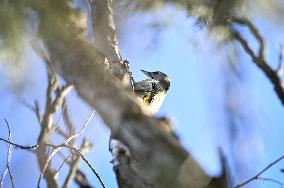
(61, 94)
(64, 161)
(43, 54)
(66, 118)
(34, 108)
(59, 148)
(85, 147)
(33, 147)
(58, 130)
(84, 127)
(259, 173)
(80, 178)
(280, 68)
(64, 113)
(8, 169)
(271, 180)
(88, 163)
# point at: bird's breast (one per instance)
(157, 102)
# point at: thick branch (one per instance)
(105, 38)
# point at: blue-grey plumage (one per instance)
(153, 90)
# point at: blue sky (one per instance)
(200, 78)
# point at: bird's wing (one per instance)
(158, 95)
(143, 89)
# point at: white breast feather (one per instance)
(157, 102)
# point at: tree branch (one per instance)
(47, 127)
(85, 147)
(59, 146)
(257, 176)
(8, 168)
(255, 32)
(81, 180)
(64, 161)
(259, 60)
(69, 125)
(48, 159)
(105, 39)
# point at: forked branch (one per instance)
(259, 59)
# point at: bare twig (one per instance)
(59, 148)
(257, 176)
(88, 163)
(81, 180)
(7, 170)
(37, 111)
(62, 164)
(74, 173)
(280, 68)
(272, 180)
(83, 128)
(259, 59)
(61, 94)
(33, 147)
(42, 53)
(47, 126)
(60, 132)
(85, 147)
(34, 108)
(68, 123)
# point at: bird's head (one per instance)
(161, 77)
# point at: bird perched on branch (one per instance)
(153, 90)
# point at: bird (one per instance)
(153, 90)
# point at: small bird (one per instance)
(152, 91)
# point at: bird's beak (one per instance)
(147, 73)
